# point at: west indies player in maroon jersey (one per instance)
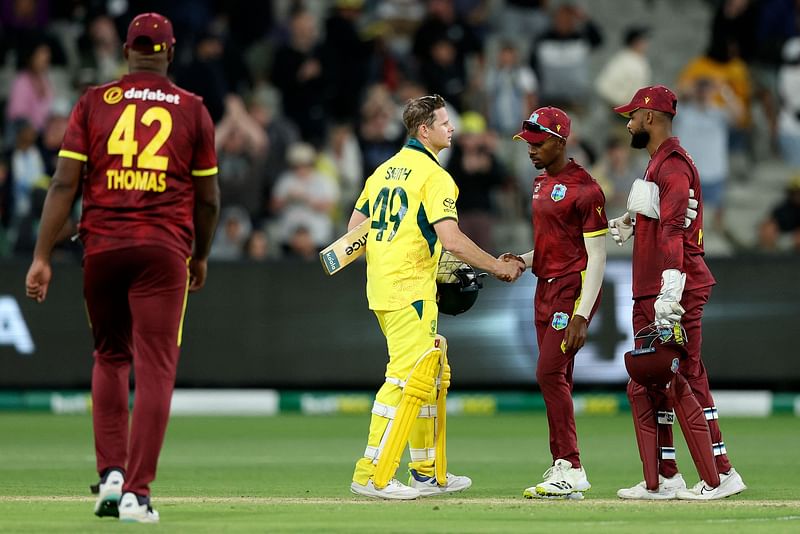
(671, 282)
(568, 259)
(143, 151)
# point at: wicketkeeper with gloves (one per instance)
(671, 281)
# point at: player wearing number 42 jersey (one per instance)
(411, 201)
(143, 151)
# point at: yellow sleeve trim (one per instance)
(596, 233)
(205, 172)
(72, 155)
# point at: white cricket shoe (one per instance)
(394, 490)
(131, 511)
(561, 480)
(667, 489)
(730, 483)
(428, 486)
(109, 494)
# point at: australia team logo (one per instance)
(560, 319)
(112, 95)
(559, 192)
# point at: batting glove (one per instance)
(691, 210)
(668, 309)
(620, 230)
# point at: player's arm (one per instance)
(206, 214)
(674, 197)
(356, 218)
(361, 210)
(576, 332)
(454, 240)
(57, 207)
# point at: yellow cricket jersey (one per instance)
(404, 197)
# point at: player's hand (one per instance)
(197, 274)
(38, 280)
(620, 229)
(508, 270)
(508, 256)
(691, 210)
(668, 309)
(575, 334)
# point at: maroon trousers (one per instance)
(691, 368)
(556, 299)
(135, 298)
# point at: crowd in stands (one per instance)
(307, 96)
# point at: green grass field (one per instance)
(292, 474)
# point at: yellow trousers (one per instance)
(410, 333)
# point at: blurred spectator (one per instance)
(23, 19)
(265, 109)
(478, 175)
(510, 92)
(578, 148)
(627, 70)
(28, 183)
(205, 74)
(241, 144)
(347, 59)
(298, 73)
(561, 58)
(32, 91)
(759, 28)
(731, 81)
(235, 228)
(100, 53)
(784, 221)
(5, 209)
(341, 158)
(523, 17)
(304, 197)
(53, 135)
(442, 21)
(511, 89)
(789, 97)
(442, 72)
(380, 132)
(257, 246)
(703, 127)
(300, 244)
(615, 171)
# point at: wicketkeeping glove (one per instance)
(691, 210)
(620, 230)
(668, 307)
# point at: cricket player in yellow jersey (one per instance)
(411, 201)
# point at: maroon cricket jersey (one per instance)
(144, 140)
(664, 243)
(567, 207)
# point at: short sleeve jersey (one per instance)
(664, 243)
(567, 207)
(144, 142)
(404, 198)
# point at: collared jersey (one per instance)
(144, 140)
(404, 197)
(664, 243)
(567, 207)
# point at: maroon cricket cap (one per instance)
(655, 97)
(543, 123)
(150, 33)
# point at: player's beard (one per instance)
(640, 139)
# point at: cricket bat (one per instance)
(345, 250)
